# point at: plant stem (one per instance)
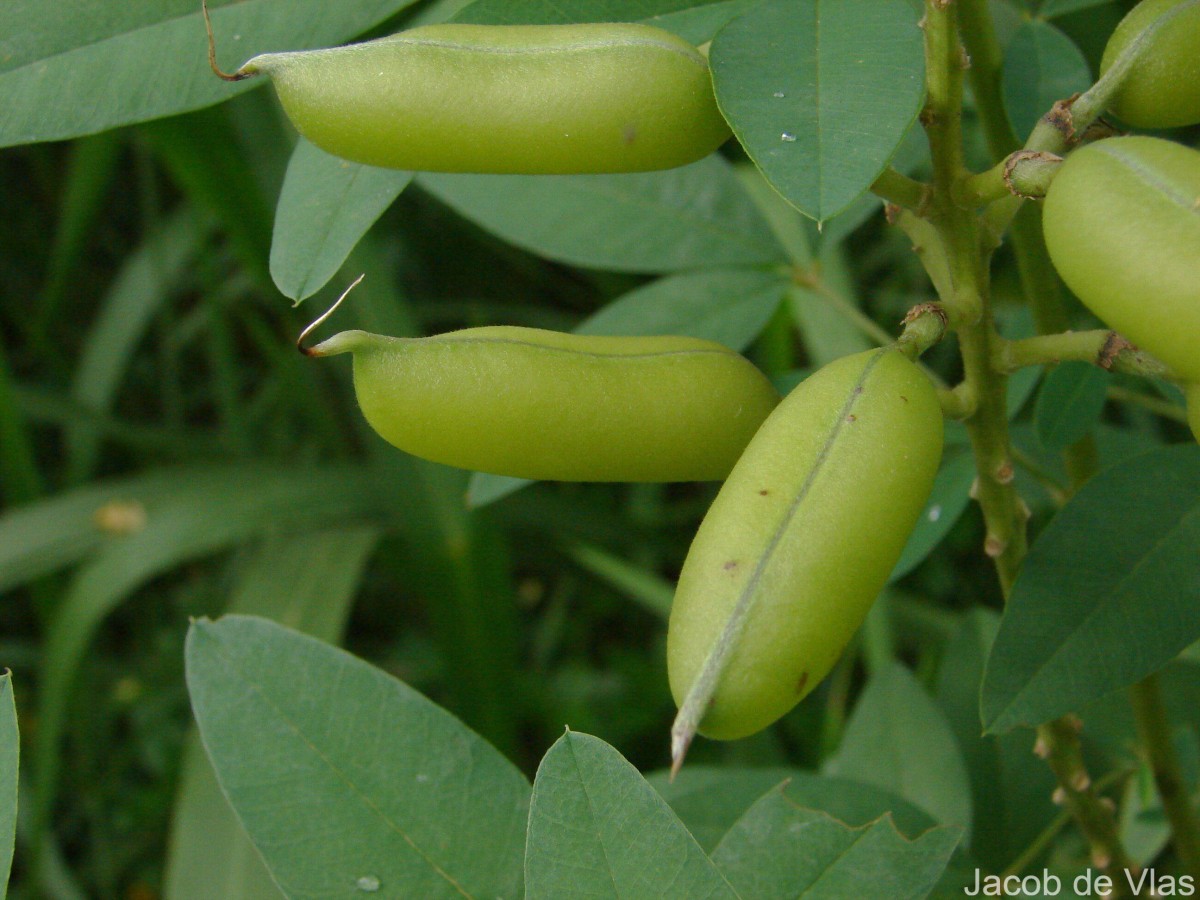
(1058, 743)
(967, 249)
(958, 228)
(1042, 842)
(1154, 729)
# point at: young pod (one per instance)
(528, 99)
(802, 537)
(1162, 90)
(1122, 225)
(547, 405)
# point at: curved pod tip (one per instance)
(343, 342)
(249, 70)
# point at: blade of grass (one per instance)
(211, 511)
(140, 289)
(20, 477)
(88, 179)
(204, 156)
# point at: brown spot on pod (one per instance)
(803, 681)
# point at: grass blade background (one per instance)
(208, 513)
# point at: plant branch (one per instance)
(1058, 743)
(1101, 347)
(897, 188)
(1023, 173)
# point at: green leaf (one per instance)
(485, 488)
(827, 332)
(76, 67)
(692, 217)
(344, 777)
(729, 306)
(596, 829)
(709, 799)
(1041, 65)
(700, 24)
(821, 93)
(306, 582)
(1069, 403)
(779, 849)
(567, 12)
(1052, 8)
(10, 755)
(1107, 594)
(1007, 781)
(898, 739)
(946, 503)
(325, 207)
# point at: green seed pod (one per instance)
(1122, 225)
(526, 99)
(1162, 90)
(802, 538)
(546, 405)
(1192, 393)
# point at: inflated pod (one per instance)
(532, 99)
(802, 537)
(547, 405)
(1162, 90)
(1122, 225)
